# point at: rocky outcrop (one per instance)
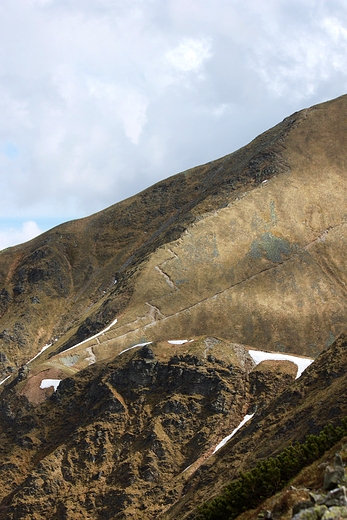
(317, 398)
(104, 445)
(268, 379)
(320, 502)
(124, 439)
(323, 507)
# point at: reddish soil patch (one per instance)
(32, 389)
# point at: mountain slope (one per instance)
(317, 398)
(185, 248)
(247, 251)
(109, 440)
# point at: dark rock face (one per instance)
(142, 420)
(301, 409)
(268, 379)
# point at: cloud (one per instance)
(100, 99)
(190, 54)
(296, 58)
(127, 105)
(12, 236)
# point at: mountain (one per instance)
(314, 400)
(128, 338)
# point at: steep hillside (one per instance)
(110, 439)
(136, 437)
(317, 398)
(243, 247)
(73, 280)
(128, 338)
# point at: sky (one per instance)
(100, 99)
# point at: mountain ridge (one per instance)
(63, 255)
(147, 312)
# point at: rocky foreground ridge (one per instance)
(143, 318)
(112, 437)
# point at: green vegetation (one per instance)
(270, 475)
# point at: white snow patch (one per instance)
(47, 383)
(134, 346)
(42, 350)
(92, 337)
(178, 341)
(3, 381)
(225, 440)
(302, 363)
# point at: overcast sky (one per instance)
(101, 98)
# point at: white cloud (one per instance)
(101, 98)
(190, 54)
(296, 60)
(133, 114)
(39, 2)
(128, 105)
(12, 236)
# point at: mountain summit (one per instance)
(128, 339)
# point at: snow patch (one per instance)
(178, 341)
(134, 346)
(47, 383)
(302, 363)
(3, 381)
(95, 335)
(42, 350)
(225, 440)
